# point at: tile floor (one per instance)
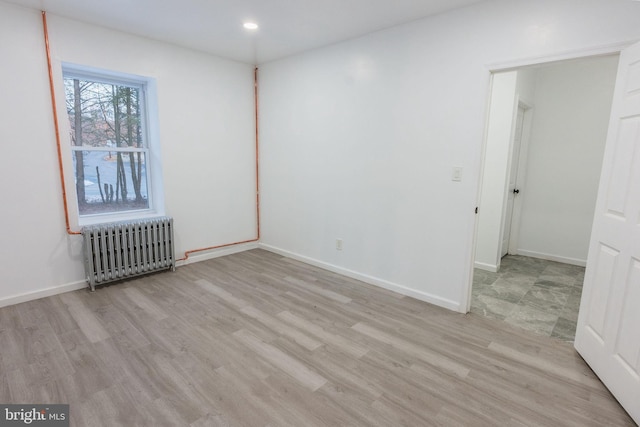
(538, 295)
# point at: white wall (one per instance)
(572, 107)
(206, 134)
(358, 139)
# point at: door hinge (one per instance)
(476, 209)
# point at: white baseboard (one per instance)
(486, 267)
(74, 286)
(216, 253)
(549, 257)
(47, 292)
(403, 290)
(423, 296)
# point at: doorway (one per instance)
(539, 187)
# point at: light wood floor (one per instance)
(254, 339)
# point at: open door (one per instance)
(608, 335)
(512, 190)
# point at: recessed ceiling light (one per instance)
(250, 25)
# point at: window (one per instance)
(109, 144)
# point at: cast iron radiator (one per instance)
(119, 250)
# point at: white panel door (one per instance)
(608, 334)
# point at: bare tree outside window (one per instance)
(108, 145)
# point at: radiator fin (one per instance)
(119, 250)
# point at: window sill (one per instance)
(116, 217)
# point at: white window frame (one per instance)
(151, 149)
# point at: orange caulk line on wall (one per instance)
(55, 124)
(255, 94)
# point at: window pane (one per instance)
(108, 182)
(107, 114)
(103, 114)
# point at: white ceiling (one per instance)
(215, 26)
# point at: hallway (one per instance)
(534, 294)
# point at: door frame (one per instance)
(512, 65)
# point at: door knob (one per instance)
(516, 191)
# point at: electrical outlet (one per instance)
(339, 244)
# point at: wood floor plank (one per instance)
(257, 339)
(19, 390)
(85, 317)
(325, 336)
(10, 317)
(278, 358)
(282, 328)
(13, 354)
(307, 405)
(346, 372)
(221, 293)
(145, 303)
(58, 317)
(271, 408)
(309, 304)
(212, 420)
(424, 354)
(394, 414)
(316, 289)
(351, 402)
(544, 365)
(5, 394)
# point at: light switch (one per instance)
(456, 175)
